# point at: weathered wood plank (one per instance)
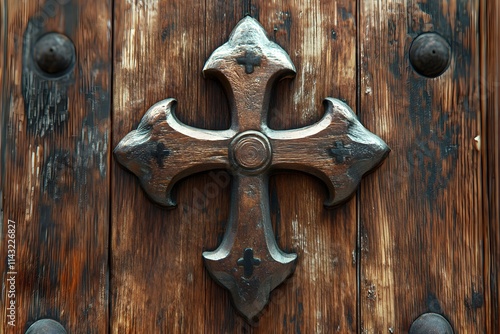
(320, 297)
(158, 282)
(156, 254)
(490, 148)
(55, 175)
(421, 215)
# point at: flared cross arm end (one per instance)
(162, 150)
(338, 149)
(353, 154)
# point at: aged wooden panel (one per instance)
(55, 175)
(422, 226)
(427, 230)
(158, 281)
(490, 149)
(321, 295)
(156, 253)
(337, 149)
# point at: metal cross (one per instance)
(249, 150)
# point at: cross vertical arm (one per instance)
(248, 65)
(248, 262)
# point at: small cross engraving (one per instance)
(249, 150)
(249, 61)
(160, 153)
(340, 152)
(248, 262)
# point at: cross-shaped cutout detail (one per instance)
(248, 262)
(163, 150)
(340, 152)
(250, 60)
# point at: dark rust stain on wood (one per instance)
(45, 99)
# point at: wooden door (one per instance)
(83, 245)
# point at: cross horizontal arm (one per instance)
(337, 149)
(163, 150)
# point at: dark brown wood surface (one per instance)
(422, 235)
(422, 225)
(56, 138)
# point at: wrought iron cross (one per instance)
(337, 149)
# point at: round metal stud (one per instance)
(430, 55)
(54, 54)
(431, 323)
(46, 326)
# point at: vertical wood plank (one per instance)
(320, 297)
(421, 214)
(490, 148)
(55, 175)
(158, 282)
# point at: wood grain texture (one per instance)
(421, 215)
(490, 148)
(430, 239)
(158, 280)
(55, 175)
(156, 254)
(321, 295)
